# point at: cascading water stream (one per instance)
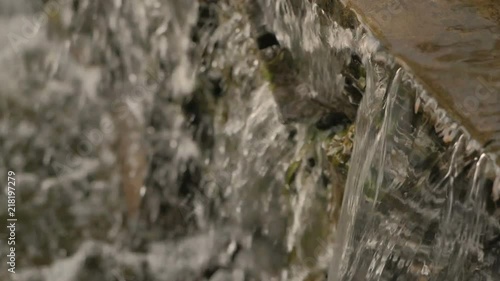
(409, 212)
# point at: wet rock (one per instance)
(297, 100)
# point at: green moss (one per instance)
(291, 172)
(339, 148)
(266, 74)
(369, 189)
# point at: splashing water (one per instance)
(209, 173)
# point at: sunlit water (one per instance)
(149, 146)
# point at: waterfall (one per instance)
(412, 210)
(162, 140)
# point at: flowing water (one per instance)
(149, 147)
(412, 210)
